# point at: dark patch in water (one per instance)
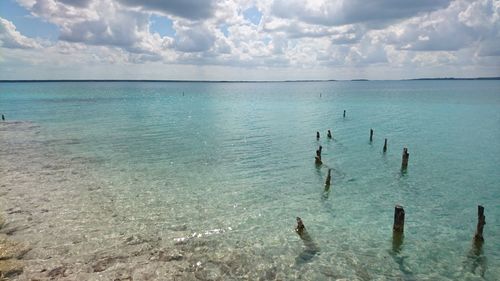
(55, 142)
(70, 100)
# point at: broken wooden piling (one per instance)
(481, 221)
(318, 156)
(371, 135)
(385, 146)
(300, 228)
(329, 135)
(344, 113)
(317, 135)
(404, 161)
(3, 117)
(328, 179)
(399, 219)
(398, 229)
(310, 249)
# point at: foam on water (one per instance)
(118, 180)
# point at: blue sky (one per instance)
(25, 23)
(248, 39)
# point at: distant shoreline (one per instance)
(235, 81)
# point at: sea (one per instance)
(205, 180)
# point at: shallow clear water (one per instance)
(229, 166)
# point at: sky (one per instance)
(249, 39)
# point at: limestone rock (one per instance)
(10, 249)
(57, 272)
(10, 267)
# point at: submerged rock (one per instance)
(10, 249)
(59, 271)
(105, 263)
(10, 267)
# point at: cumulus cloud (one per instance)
(76, 3)
(193, 38)
(340, 12)
(463, 24)
(189, 9)
(312, 35)
(11, 38)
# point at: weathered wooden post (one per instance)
(329, 135)
(311, 249)
(3, 117)
(385, 146)
(371, 135)
(317, 135)
(300, 228)
(404, 161)
(317, 160)
(344, 113)
(318, 152)
(481, 221)
(328, 179)
(318, 156)
(399, 219)
(398, 228)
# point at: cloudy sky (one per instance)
(248, 39)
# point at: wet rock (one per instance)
(179, 227)
(128, 278)
(15, 211)
(94, 188)
(105, 263)
(10, 249)
(9, 230)
(209, 272)
(135, 240)
(10, 268)
(166, 257)
(141, 249)
(59, 271)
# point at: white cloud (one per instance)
(189, 9)
(193, 37)
(341, 12)
(11, 38)
(319, 37)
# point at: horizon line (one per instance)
(238, 81)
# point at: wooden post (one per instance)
(399, 219)
(481, 221)
(371, 135)
(344, 113)
(318, 152)
(328, 178)
(404, 161)
(3, 117)
(385, 146)
(329, 135)
(317, 135)
(318, 156)
(300, 228)
(317, 160)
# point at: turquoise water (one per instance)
(230, 165)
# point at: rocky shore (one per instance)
(11, 253)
